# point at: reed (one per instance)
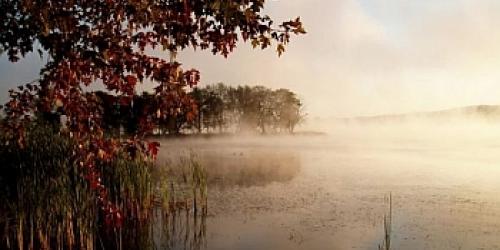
(183, 185)
(386, 243)
(46, 203)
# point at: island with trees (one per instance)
(220, 109)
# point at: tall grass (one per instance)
(386, 243)
(183, 185)
(46, 203)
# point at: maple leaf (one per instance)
(131, 80)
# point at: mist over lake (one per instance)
(443, 178)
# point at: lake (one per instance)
(331, 191)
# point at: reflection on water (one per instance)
(181, 230)
(236, 166)
(329, 191)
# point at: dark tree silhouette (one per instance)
(246, 108)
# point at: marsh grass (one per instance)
(180, 230)
(46, 203)
(182, 185)
(386, 243)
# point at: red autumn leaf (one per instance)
(153, 148)
(131, 80)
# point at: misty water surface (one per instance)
(327, 191)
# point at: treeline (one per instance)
(225, 108)
(219, 108)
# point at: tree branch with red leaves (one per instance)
(90, 41)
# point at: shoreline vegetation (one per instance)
(46, 203)
(41, 180)
(230, 135)
(217, 108)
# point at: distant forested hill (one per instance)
(479, 112)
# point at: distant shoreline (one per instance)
(230, 135)
(484, 112)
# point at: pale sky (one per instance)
(361, 57)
